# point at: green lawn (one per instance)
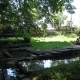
(51, 42)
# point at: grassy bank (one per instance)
(51, 42)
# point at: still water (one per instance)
(33, 66)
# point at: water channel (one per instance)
(35, 65)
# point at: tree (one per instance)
(58, 19)
(20, 13)
(44, 27)
(70, 9)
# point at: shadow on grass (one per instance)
(50, 45)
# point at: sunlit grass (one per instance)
(52, 41)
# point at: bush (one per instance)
(69, 71)
(27, 37)
(76, 30)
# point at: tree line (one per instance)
(22, 14)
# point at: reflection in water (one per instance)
(11, 73)
(34, 65)
(47, 63)
(65, 61)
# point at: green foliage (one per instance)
(69, 71)
(70, 8)
(76, 30)
(22, 14)
(44, 26)
(57, 19)
(50, 42)
(27, 37)
(6, 43)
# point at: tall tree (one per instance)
(57, 19)
(71, 10)
(20, 13)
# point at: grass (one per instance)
(51, 42)
(48, 42)
(13, 42)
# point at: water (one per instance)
(33, 66)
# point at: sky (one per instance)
(76, 16)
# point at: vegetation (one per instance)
(14, 42)
(69, 71)
(19, 17)
(50, 42)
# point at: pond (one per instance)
(11, 73)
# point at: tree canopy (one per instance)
(22, 14)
